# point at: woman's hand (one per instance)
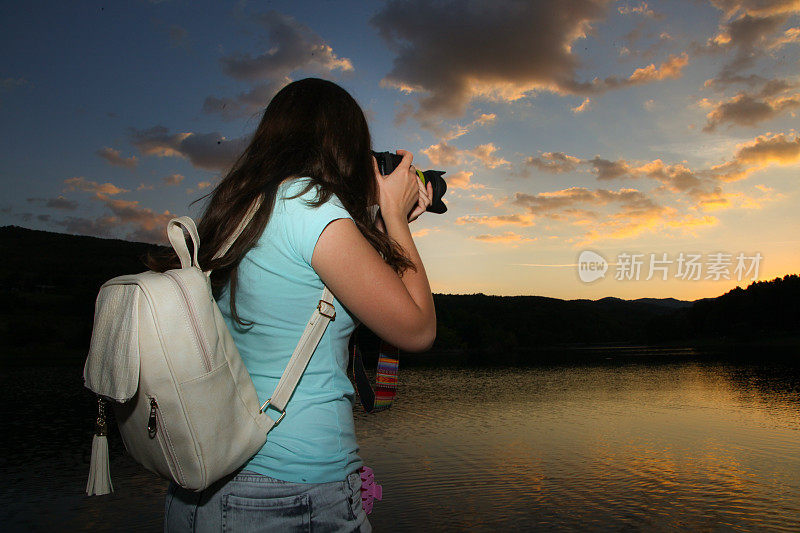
(425, 199)
(398, 192)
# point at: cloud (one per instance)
(458, 130)
(509, 237)
(717, 199)
(114, 158)
(443, 154)
(173, 179)
(462, 180)
(493, 221)
(758, 8)
(489, 198)
(99, 227)
(447, 155)
(208, 151)
(642, 9)
(204, 184)
(632, 213)
(500, 51)
(698, 184)
(746, 31)
(485, 153)
(638, 213)
(769, 149)
(671, 68)
(145, 187)
(245, 103)
(790, 36)
(548, 202)
(56, 203)
(605, 169)
(143, 223)
(149, 226)
(676, 178)
(747, 109)
(761, 152)
(583, 107)
(529, 49)
(292, 46)
(80, 183)
(554, 162)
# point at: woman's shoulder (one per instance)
(301, 221)
(289, 193)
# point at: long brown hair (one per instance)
(312, 128)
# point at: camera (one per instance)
(388, 161)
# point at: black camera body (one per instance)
(388, 161)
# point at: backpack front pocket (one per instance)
(157, 429)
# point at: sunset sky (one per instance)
(612, 126)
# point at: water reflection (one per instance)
(689, 443)
(683, 446)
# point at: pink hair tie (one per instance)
(370, 491)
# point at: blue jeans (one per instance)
(251, 502)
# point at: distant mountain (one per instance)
(49, 281)
(666, 302)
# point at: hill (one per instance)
(49, 282)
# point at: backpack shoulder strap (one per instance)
(248, 216)
(322, 315)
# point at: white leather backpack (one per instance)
(161, 353)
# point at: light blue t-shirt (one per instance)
(278, 290)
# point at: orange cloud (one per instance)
(114, 158)
(173, 179)
(530, 50)
(554, 162)
(583, 107)
(82, 184)
(497, 220)
(671, 68)
(444, 155)
(509, 237)
(746, 109)
(485, 154)
(462, 180)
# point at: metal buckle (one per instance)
(323, 313)
(263, 408)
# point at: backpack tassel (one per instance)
(99, 470)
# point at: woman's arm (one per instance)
(399, 310)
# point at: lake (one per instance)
(620, 439)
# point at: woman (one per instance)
(310, 157)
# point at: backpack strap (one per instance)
(178, 241)
(315, 328)
(248, 216)
(322, 315)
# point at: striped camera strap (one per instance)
(380, 397)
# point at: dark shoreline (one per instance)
(785, 347)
